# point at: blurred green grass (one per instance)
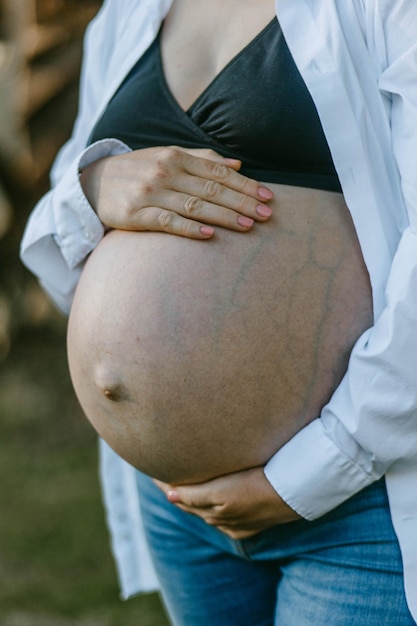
(55, 563)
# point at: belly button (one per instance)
(109, 394)
(115, 392)
(108, 383)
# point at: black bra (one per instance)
(256, 109)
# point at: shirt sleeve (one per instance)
(63, 229)
(370, 423)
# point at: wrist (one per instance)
(90, 180)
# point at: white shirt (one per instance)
(359, 61)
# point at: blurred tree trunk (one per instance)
(40, 57)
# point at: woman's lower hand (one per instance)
(175, 190)
(240, 504)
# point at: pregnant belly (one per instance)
(197, 358)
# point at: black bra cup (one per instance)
(257, 109)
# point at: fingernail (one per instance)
(263, 211)
(244, 221)
(173, 496)
(207, 231)
(265, 193)
(232, 162)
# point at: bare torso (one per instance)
(194, 359)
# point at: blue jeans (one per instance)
(343, 569)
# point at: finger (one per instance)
(235, 528)
(212, 155)
(163, 220)
(192, 207)
(194, 498)
(207, 515)
(173, 494)
(237, 534)
(227, 176)
(213, 203)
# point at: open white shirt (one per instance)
(359, 61)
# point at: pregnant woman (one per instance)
(256, 357)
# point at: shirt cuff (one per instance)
(78, 228)
(312, 475)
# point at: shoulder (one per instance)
(113, 13)
(119, 12)
(117, 27)
(118, 17)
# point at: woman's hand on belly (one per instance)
(175, 190)
(239, 504)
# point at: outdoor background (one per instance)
(55, 563)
